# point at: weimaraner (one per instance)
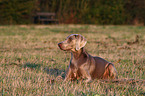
(83, 65)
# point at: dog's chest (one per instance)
(77, 63)
(75, 67)
(74, 64)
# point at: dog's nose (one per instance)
(59, 44)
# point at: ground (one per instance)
(32, 64)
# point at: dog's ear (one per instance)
(80, 42)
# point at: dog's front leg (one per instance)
(89, 78)
(69, 74)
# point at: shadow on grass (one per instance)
(55, 72)
(51, 71)
(32, 65)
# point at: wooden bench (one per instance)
(45, 18)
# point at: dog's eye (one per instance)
(69, 40)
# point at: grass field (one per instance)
(31, 64)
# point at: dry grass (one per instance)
(32, 64)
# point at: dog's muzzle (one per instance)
(60, 45)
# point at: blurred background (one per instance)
(117, 12)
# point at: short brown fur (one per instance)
(82, 65)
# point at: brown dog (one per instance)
(82, 65)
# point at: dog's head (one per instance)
(73, 42)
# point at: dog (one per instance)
(83, 65)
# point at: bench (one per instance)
(45, 18)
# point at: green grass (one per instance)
(32, 64)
